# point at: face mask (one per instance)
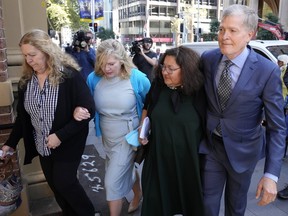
(132, 138)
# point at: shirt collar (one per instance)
(239, 61)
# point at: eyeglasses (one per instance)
(169, 70)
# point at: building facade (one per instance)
(155, 18)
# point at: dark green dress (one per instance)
(171, 175)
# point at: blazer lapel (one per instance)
(246, 73)
(214, 68)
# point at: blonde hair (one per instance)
(112, 47)
(56, 58)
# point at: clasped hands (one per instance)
(81, 113)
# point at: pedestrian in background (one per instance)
(49, 90)
(91, 41)
(119, 90)
(176, 108)
(158, 53)
(145, 59)
(83, 53)
(242, 87)
(282, 63)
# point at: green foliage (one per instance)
(214, 26)
(271, 17)
(210, 37)
(64, 13)
(57, 16)
(105, 34)
(263, 34)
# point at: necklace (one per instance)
(175, 87)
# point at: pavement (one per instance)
(91, 175)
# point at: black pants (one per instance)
(69, 194)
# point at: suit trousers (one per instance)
(61, 176)
(218, 175)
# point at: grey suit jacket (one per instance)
(257, 93)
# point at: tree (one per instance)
(212, 36)
(105, 34)
(214, 26)
(57, 16)
(64, 13)
(72, 8)
(263, 34)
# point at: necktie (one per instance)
(224, 89)
(225, 85)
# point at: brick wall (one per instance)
(7, 99)
(3, 56)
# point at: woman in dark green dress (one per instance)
(176, 107)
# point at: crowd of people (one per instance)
(206, 118)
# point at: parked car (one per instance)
(270, 49)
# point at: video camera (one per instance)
(80, 39)
(136, 45)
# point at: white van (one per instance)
(270, 49)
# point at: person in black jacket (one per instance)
(176, 107)
(145, 59)
(49, 90)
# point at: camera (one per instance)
(80, 40)
(136, 45)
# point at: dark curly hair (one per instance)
(189, 61)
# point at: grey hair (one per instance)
(250, 17)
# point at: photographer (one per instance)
(144, 58)
(83, 53)
(91, 42)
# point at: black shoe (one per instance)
(283, 194)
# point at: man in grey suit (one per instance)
(248, 91)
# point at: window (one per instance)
(167, 24)
(171, 11)
(162, 11)
(278, 50)
(212, 2)
(212, 14)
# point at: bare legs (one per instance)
(134, 204)
(115, 207)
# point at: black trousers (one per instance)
(62, 178)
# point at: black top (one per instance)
(73, 92)
(143, 65)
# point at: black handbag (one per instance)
(141, 153)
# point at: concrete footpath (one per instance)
(277, 208)
(92, 171)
